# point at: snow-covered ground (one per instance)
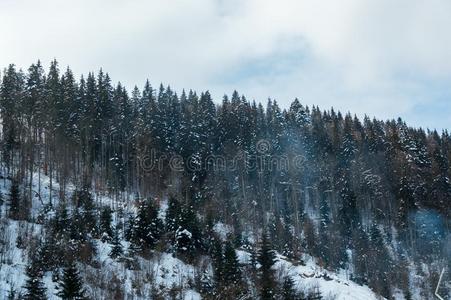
(162, 270)
(310, 276)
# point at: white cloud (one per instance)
(365, 56)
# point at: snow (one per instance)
(184, 232)
(165, 270)
(311, 275)
(222, 230)
(162, 270)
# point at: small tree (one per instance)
(231, 269)
(106, 233)
(288, 291)
(267, 258)
(116, 250)
(71, 286)
(146, 228)
(173, 214)
(35, 289)
(217, 258)
(14, 201)
(314, 294)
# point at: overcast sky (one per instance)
(385, 58)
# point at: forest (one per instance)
(360, 196)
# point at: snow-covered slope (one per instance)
(162, 272)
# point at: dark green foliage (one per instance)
(106, 232)
(314, 294)
(172, 214)
(266, 258)
(231, 271)
(34, 287)
(379, 264)
(188, 234)
(288, 291)
(14, 201)
(71, 285)
(146, 227)
(217, 257)
(116, 249)
(85, 215)
(11, 96)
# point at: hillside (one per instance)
(162, 273)
(152, 194)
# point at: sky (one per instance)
(382, 58)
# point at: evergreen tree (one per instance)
(380, 263)
(188, 234)
(266, 258)
(34, 287)
(116, 249)
(106, 232)
(71, 286)
(288, 289)
(217, 261)
(14, 201)
(315, 294)
(146, 227)
(231, 268)
(11, 96)
(1, 202)
(173, 214)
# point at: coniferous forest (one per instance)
(103, 188)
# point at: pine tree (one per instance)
(188, 234)
(380, 263)
(35, 289)
(14, 201)
(231, 267)
(1, 202)
(217, 257)
(106, 232)
(88, 219)
(146, 227)
(71, 286)
(173, 214)
(266, 258)
(288, 289)
(11, 95)
(116, 250)
(315, 294)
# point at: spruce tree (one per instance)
(14, 201)
(1, 203)
(217, 257)
(231, 267)
(116, 250)
(173, 214)
(146, 227)
(266, 258)
(314, 294)
(106, 232)
(34, 287)
(188, 234)
(71, 286)
(288, 290)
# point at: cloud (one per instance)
(384, 58)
